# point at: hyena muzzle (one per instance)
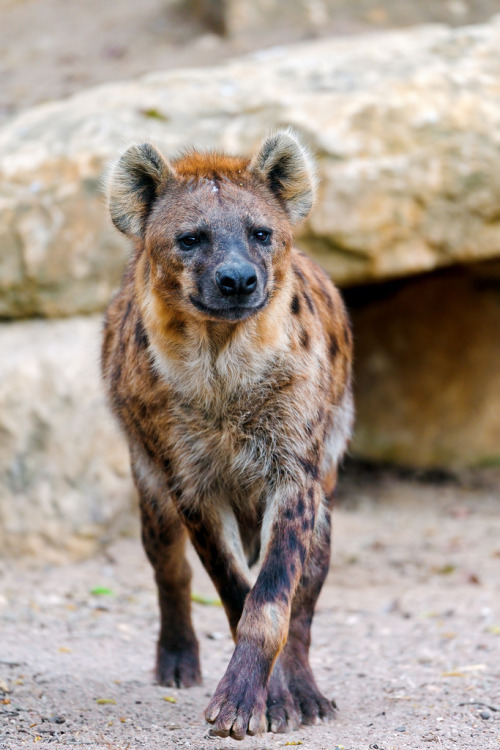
(227, 360)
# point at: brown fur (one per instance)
(235, 426)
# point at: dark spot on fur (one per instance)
(310, 493)
(151, 531)
(309, 301)
(333, 347)
(172, 283)
(192, 516)
(295, 306)
(296, 545)
(178, 326)
(142, 410)
(292, 540)
(299, 273)
(304, 339)
(141, 337)
(279, 274)
(309, 467)
(288, 514)
(308, 520)
(300, 506)
(274, 583)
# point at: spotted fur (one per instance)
(236, 416)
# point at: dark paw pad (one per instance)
(178, 667)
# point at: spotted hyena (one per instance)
(227, 360)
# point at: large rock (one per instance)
(237, 17)
(427, 382)
(64, 477)
(406, 127)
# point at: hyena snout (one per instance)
(236, 279)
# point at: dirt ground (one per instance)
(406, 636)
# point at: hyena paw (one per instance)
(238, 706)
(308, 700)
(178, 667)
(282, 715)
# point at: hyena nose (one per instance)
(235, 279)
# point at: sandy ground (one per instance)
(406, 636)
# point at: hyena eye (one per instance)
(262, 235)
(188, 240)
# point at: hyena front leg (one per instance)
(309, 703)
(164, 540)
(238, 706)
(216, 539)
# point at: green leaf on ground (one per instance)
(209, 602)
(101, 591)
(154, 114)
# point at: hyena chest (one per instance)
(214, 454)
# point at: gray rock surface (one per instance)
(406, 126)
(65, 480)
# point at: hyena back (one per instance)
(227, 360)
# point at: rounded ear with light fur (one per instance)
(135, 181)
(288, 169)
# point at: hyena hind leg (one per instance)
(293, 695)
(164, 540)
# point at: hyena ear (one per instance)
(134, 182)
(288, 168)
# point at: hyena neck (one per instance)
(206, 360)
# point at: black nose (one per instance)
(236, 278)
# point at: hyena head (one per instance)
(214, 230)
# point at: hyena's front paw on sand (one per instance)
(312, 705)
(282, 714)
(178, 667)
(238, 707)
